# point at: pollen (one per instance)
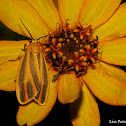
(72, 49)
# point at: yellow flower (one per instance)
(97, 19)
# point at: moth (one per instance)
(32, 81)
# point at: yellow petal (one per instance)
(115, 27)
(10, 50)
(12, 10)
(84, 111)
(108, 84)
(68, 88)
(113, 70)
(32, 113)
(114, 51)
(8, 72)
(47, 11)
(69, 9)
(97, 12)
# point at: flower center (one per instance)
(72, 49)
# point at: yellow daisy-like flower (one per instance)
(85, 51)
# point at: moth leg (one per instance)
(24, 49)
(21, 53)
(18, 58)
(49, 62)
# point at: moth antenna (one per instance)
(26, 28)
(42, 37)
(46, 35)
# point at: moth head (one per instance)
(34, 46)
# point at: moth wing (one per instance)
(27, 81)
(42, 96)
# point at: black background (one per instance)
(59, 116)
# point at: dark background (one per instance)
(59, 116)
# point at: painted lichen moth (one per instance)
(32, 78)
